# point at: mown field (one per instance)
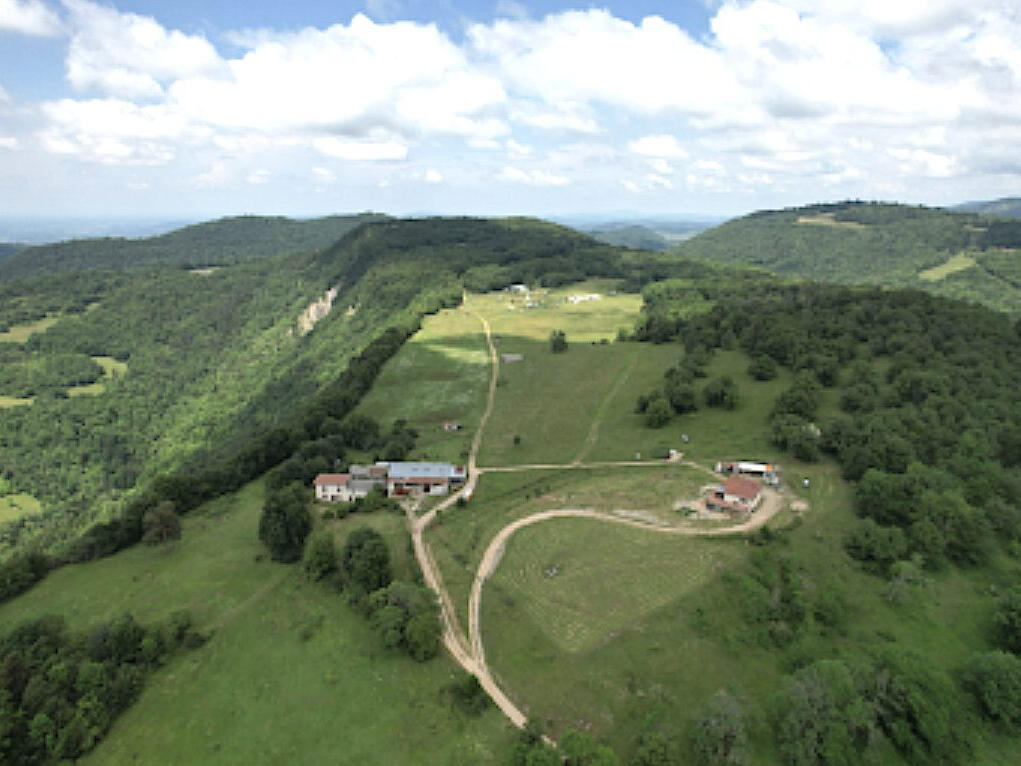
(583, 581)
(459, 536)
(291, 674)
(441, 374)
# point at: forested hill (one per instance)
(959, 255)
(214, 243)
(1008, 207)
(7, 249)
(633, 236)
(210, 371)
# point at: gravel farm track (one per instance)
(468, 650)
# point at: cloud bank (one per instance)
(823, 98)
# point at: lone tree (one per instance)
(285, 522)
(721, 392)
(161, 524)
(558, 341)
(366, 560)
(657, 411)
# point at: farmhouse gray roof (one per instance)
(425, 471)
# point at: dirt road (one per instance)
(772, 504)
(469, 652)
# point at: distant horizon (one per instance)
(39, 229)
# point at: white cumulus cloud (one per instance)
(127, 55)
(29, 17)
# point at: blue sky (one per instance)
(712, 107)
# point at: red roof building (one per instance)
(735, 494)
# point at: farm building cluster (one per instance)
(738, 493)
(396, 479)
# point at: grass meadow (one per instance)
(440, 374)
(565, 407)
(291, 674)
(635, 627)
(583, 581)
(22, 332)
(7, 402)
(13, 507)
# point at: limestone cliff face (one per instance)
(317, 310)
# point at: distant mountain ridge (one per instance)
(959, 255)
(214, 243)
(1008, 207)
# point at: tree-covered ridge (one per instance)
(634, 236)
(880, 244)
(216, 361)
(214, 243)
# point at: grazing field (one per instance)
(721, 434)
(459, 536)
(556, 404)
(636, 629)
(13, 507)
(291, 674)
(955, 263)
(22, 332)
(583, 581)
(441, 374)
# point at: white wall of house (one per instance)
(333, 493)
(751, 503)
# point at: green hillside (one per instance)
(214, 243)
(217, 361)
(958, 255)
(867, 612)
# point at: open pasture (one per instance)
(291, 673)
(582, 581)
(441, 374)
(459, 536)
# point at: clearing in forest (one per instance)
(828, 219)
(13, 507)
(22, 332)
(959, 262)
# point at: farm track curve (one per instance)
(469, 651)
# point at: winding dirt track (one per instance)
(469, 652)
